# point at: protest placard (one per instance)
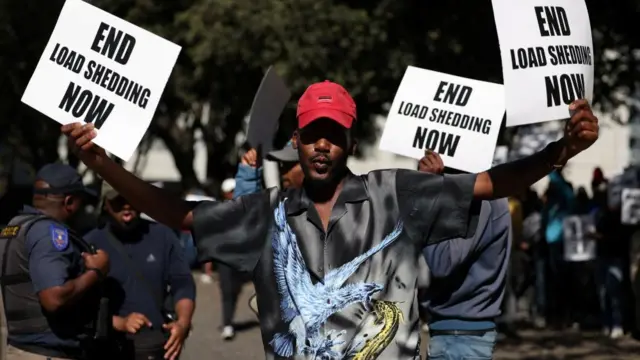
(100, 69)
(269, 102)
(456, 117)
(547, 57)
(630, 214)
(578, 245)
(614, 192)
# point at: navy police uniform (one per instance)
(37, 253)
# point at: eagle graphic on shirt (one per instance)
(305, 307)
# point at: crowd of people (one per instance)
(337, 259)
(563, 291)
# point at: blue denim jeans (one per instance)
(462, 347)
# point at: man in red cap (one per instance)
(335, 263)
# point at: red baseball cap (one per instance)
(326, 100)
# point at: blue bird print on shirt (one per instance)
(305, 306)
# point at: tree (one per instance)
(24, 30)
(227, 46)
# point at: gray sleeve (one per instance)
(232, 232)
(439, 207)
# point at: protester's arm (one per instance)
(184, 311)
(444, 257)
(248, 176)
(158, 203)
(580, 132)
(48, 269)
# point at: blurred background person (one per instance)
(249, 178)
(226, 188)
(533, 245)
(559, 199)
(599, 186)
(580, 261)
(230, 281)
(612, 250)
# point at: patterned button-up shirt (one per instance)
(348, 292)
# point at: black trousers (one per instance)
(230, 286)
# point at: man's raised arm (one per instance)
(158, 203)
(580, 132)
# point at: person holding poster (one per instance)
(468, 280)
(249, 179)
(335, 263)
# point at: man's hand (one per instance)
(581, 130)
(431, 163)
(179, 332)
(99, 260)
(132, 323)
(81, 137)
(250, 158)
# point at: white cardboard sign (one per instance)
(547, 57)
(456, 117)
(99, 68)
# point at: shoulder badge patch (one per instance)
(59, 237)
(9, 232)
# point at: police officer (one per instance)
(49, 275)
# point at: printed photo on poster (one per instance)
(578, 245)
(630, 214)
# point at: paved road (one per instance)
(205, 342)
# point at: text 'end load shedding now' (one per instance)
(116, 45)
(561, 89)
(440, 141)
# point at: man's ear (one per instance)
(71, 203)
(294, 140)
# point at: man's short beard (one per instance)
(127, 227)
